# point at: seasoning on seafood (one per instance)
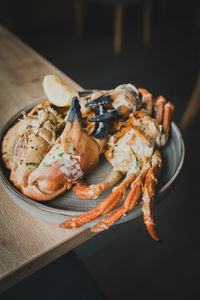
(133, 151)
(73, 155)
(123, 100)
(53, 148)
(27, 142)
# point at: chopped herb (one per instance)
(53, 157)
(32, 164)
(32, 147)
(61, 165)
(48, 165)
(137, 160)
(69, 153)
(37, 134)
(61, 154)
(123, 87)
(125, 123)
(44, 164)
(36, 149)
(74, 149)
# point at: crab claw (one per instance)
(103, 99)
(124, 100)
(110, 115)
(102, 130)
(48, 181)
(75, 112)
(73, 155)
(56, 173)
(104, 116)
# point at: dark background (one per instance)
(124, 262)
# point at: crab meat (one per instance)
(27, 142)
(73, 155)
(133, 151)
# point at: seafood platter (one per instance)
(93, 158)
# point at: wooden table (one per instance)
(26, 242)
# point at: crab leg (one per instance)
(104, 207)
(168, 109)
(147, 100)
(94, 190)
(160, 103)
(128, 205)
(149, 193)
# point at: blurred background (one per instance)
(101, 44)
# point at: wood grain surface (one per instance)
(27, 243)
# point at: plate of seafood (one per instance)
(92, 158)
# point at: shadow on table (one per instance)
(65, 278)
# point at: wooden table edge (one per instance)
(39, 261)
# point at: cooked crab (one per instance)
(27, 142)
(133, 152)
(123, 100)
(46, 173)
(26, 146)
(52, 149)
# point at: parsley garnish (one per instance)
(46, 165)
(61, 165)
(32, 164)
(61, 154)
(137, 160)
(74, 149)
(37, 134)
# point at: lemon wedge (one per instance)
(57, 92)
